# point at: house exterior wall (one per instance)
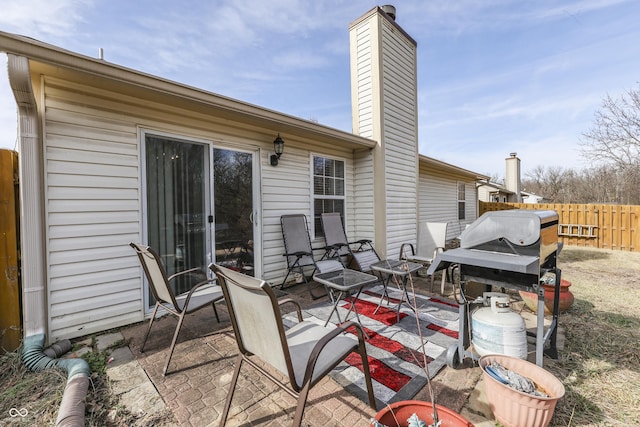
(484, 193)
(94, 206)
(438, 201)
(93, 116)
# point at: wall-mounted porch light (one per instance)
(278, 147)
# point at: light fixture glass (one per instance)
(278, 147)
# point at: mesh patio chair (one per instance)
(304, 354)
(432, 237)
(299, 253)
(203, 293)
(359, 255)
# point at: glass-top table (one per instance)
(342, 283)
(396, 269)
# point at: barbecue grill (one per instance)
(511, 249)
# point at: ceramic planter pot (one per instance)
(424, 410)
(513, 408)
(566, 298)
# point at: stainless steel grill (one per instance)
(511, 249)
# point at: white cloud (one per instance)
(8, 110)
(42, 18)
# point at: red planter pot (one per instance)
(424, 410)
(566, 298)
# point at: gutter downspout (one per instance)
(31, 184)
(31, 198)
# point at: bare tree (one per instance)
(547, 182)
(614, 138)
(614, 142)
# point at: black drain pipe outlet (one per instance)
(71, 413)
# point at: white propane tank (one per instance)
(497, 329)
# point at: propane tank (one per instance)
(498, 330)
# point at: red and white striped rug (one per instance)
(394, 349)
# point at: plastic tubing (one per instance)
(71, 412)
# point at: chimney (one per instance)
(512, 176)
(384, 95)
(389, 10)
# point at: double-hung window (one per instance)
(328, 189)
(462, 203)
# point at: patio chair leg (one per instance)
(173, 343)
(146, 335)
(302, 400)
(213, 304)
(232, 389)
(367, 373)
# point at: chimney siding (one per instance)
(512, 176)
(384, 108)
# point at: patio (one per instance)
(197, 384)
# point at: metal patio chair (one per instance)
(202, 294)
(299, 253)
(432, 238)
(304, 354)
(359, 255)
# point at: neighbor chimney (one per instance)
(512, 176)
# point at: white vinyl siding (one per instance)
(94, 206)
(363, 206)
(384, 99)
(92, 203)
(287, 189)
(362, 81)
(399, 126)
(438, 199)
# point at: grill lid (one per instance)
(519, 227)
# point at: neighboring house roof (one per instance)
(531, 195)
(498, 187)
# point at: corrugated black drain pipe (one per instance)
(71, 413)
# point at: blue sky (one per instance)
(494, 76)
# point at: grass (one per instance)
(599, 365)
(33, 398)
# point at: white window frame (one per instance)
(315, 197)
(461, 200)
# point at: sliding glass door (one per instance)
(233, 207)
(177, 182)
(192, 208)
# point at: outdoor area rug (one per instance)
(393, 348)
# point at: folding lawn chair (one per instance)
(304, 353)
(202, 294)
(361, 258)
(298, 250)
(432, 237)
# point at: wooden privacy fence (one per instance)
(598, 226)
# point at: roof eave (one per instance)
(55, 56)
(440, 165)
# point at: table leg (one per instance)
(385, 283)
(335, 309)
(355, 310)
(353, 307)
